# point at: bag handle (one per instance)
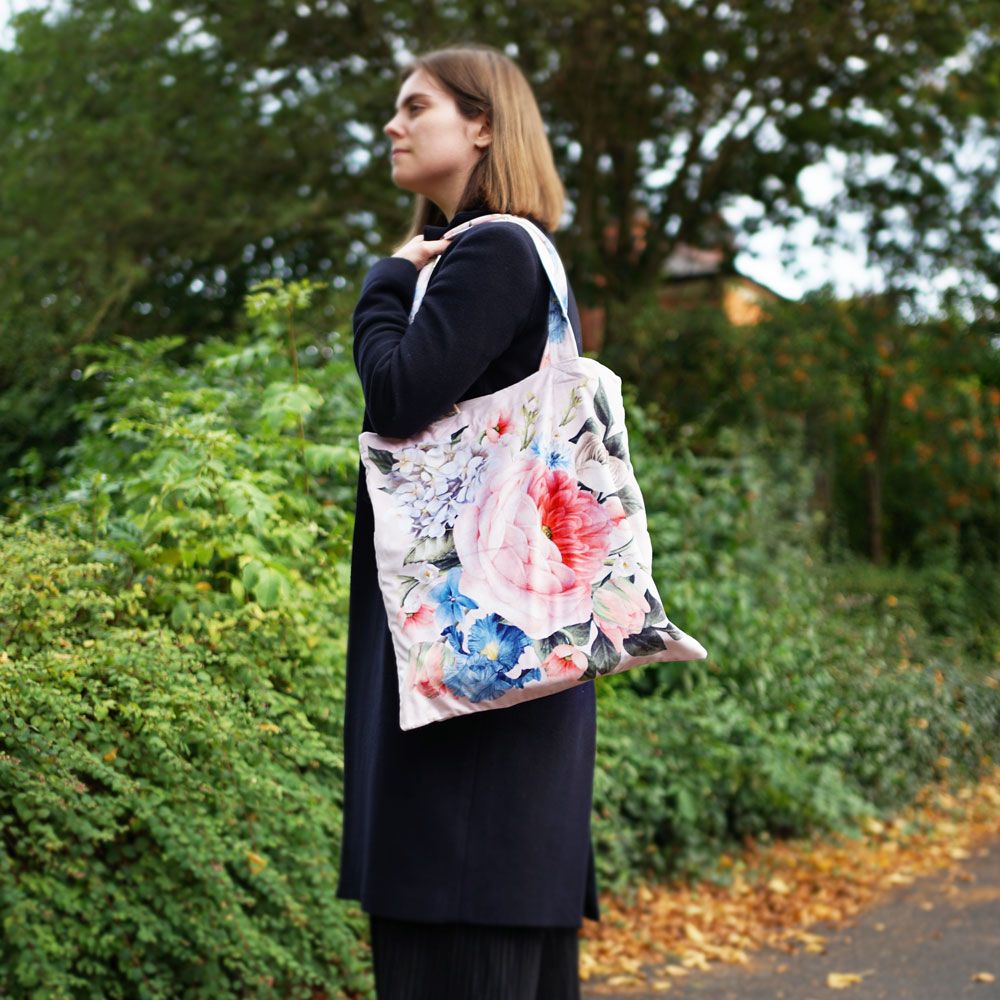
(561, 344)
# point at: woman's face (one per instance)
(434, 146)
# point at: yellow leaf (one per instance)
(625, 981)
(983, 977)
(841, 980)
(256, 862)
(696, 960)
(693, 933)
(111, 754)
(587, 964)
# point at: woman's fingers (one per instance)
(436, 246)
(420, 252)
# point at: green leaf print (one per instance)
(439, 551)
(644, 643)
(381, 459)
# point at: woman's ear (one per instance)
(483, 136)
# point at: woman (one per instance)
(466, 841)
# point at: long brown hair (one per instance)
(516, 172)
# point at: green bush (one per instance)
(188, 613)
(173, 624)
(807, 715)
(953, 606)
(170, 812)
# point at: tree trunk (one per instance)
(874, 490)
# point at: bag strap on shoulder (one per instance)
(561, 340)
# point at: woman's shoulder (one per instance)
(503, 248)
(504, 232)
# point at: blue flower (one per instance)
(494, 647)
(453, 636)
(497, 641)
(554, 455)
(452, 605)
(557, 322)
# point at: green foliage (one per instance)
(186, 610)
(812, 709)
(953, 608)
(169, 805)
(894, 408)
(172, 674)
(158, 159)
(202, 476)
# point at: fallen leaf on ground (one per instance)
(843, 980)
(811, 880)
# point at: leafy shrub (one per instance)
(207, 538)
(805, 716)
(173, 677)
(170, 814)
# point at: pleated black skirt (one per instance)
(454, 961)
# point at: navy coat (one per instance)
(482, 818)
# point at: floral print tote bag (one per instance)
(510, 535)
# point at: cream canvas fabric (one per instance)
(510, 535)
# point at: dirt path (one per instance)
(925, 941)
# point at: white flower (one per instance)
(624, 564)
(596, 468)
(432, 482)
(428, 573)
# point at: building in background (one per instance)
(690, 276)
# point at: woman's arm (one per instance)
(480, 296)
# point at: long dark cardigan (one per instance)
(482, 818)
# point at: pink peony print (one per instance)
(531, 544)
(619, 609)
(416, 620)
(616, 511)
(621, 528)
(500, 425)
(427, 663)
(565, 661)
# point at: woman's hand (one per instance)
(420, 252)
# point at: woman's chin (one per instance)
(399, 178)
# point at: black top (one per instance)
(483, 818)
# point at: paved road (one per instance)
(906, 950)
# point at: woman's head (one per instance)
(475, 136)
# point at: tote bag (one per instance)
(511, 542)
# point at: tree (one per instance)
(904, 418)
(158, 161)
(677, 109)
(159, 158)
